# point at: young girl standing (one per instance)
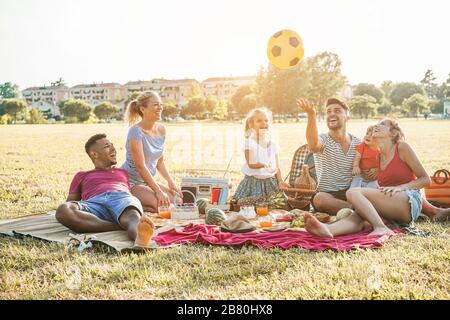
(261, 168)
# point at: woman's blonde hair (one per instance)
(252, 114)
(395, 130)
(133, 113)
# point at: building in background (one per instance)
(47, 99)
(447, 108)
(44, 98)
(140, 86)
(224, 88)
(177, 90)
(97, 93)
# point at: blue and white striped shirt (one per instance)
(333, 167)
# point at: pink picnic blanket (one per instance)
(206, 234)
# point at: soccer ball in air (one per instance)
(285, 49)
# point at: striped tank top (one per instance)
(333, 166)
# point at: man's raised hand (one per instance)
(307, 106)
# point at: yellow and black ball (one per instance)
(285, 49)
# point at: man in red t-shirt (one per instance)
(100, 200)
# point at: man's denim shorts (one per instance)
(110, 205)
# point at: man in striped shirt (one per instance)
(333, 155)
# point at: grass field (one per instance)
(37, 163)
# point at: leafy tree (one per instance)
(14, 107)
(447, 85)
(194, 91)
(77, 109)
(248, 103)
(415, 104)
(36, 117)
(428, 84)
(387, 87)
(240, 93)
(385, 108)
(364, 106)
(59, 82)
(170, 108)
(316, 78)
(8, 90)
(279, 89)
(326, 78)
(61, 106)
(370, 89)
(403, 91)
(105, 110)
(211, 103)
(436, 106)
(5, 119)
(221, 110)
(131, 97)
(195, 107)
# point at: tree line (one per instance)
(316, 78)
(319, 77)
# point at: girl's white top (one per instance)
(262, 155)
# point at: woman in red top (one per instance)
(398, 199)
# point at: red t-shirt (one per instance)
(94, 182)
(369, 158)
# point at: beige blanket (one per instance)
(45, 227)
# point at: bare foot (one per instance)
(314, 226)
(442, 214)
(380, 231)
(145, 229)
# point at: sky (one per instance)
(86, 41)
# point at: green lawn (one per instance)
(38, 162)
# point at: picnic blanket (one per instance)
(46, 227)
(206, 234)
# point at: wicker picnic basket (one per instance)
(300, 198)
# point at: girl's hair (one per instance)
(370, 129)
(251, 115)
(133, 113)
(395, 130)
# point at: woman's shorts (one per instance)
(415, 201)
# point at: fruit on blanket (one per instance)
(322, 217)
(295, 213)
(284, 218)
(277, 200)
(298, 222)
(215, 216)
(345, 212)
(201, 204)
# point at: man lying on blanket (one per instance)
(100, 200)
